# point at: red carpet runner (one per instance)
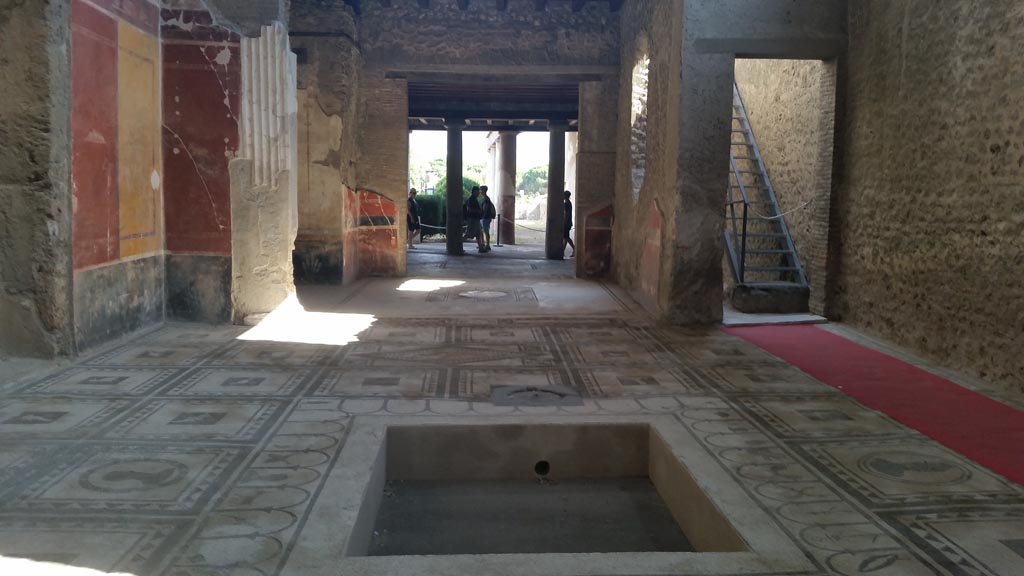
(986, 431)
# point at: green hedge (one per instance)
(432, 213)
(434, 207)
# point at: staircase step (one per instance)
(771, 269)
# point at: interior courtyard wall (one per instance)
(35, 194)
(654, 28)
(932, 193)
(324, 37)
(116, 168)
(791, 108)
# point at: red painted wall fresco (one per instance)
(350, 244)
(597, 251)
(201, 87)
(650, 263)
(378, 235)
(94, 135)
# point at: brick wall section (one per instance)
(383, 165)
(932, 199)
(791, 107)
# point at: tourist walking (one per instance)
(412, 218)
(567, 235)
(489, 214)
(471, 213)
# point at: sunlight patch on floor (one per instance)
(27, 567)
(428, 285)
(290, 322)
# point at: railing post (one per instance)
(743, 245)
(497, 222)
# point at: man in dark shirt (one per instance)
(489, 214)
(412, 218)
(566, 236)
(471, 213)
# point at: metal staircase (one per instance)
(760, 249)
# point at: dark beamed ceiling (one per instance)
(500, 5)
(488, 104)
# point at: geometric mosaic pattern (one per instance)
(188, 452)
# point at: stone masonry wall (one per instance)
(932, 190)
(791, 107)
(35, 202)
(405, 34)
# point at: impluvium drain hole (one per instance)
(542, 468)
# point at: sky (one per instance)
(531, 147)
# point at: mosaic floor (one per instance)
(190, 452)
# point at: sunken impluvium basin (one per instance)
(532, 496)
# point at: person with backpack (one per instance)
(471, 214)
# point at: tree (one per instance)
(534, 181)
(467, 186)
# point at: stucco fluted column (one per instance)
(453, 193)
(506, 184)
(553, 248)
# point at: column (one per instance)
(553, 248)
(454, 191)
(695, 256)
(506, 186)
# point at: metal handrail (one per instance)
(794, 259)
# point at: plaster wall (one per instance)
(117, 170)
(328, 78)
(791, 108)
(931, 192)
(201, 85)
(35, 194)
(653, 28)
(383, 163)
(594, 178)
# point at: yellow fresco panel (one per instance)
(139, 165)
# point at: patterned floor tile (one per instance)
(218, 382)
(115, 381)
(129, 479)
(222, 419)
(381, 382)
(190, 453)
